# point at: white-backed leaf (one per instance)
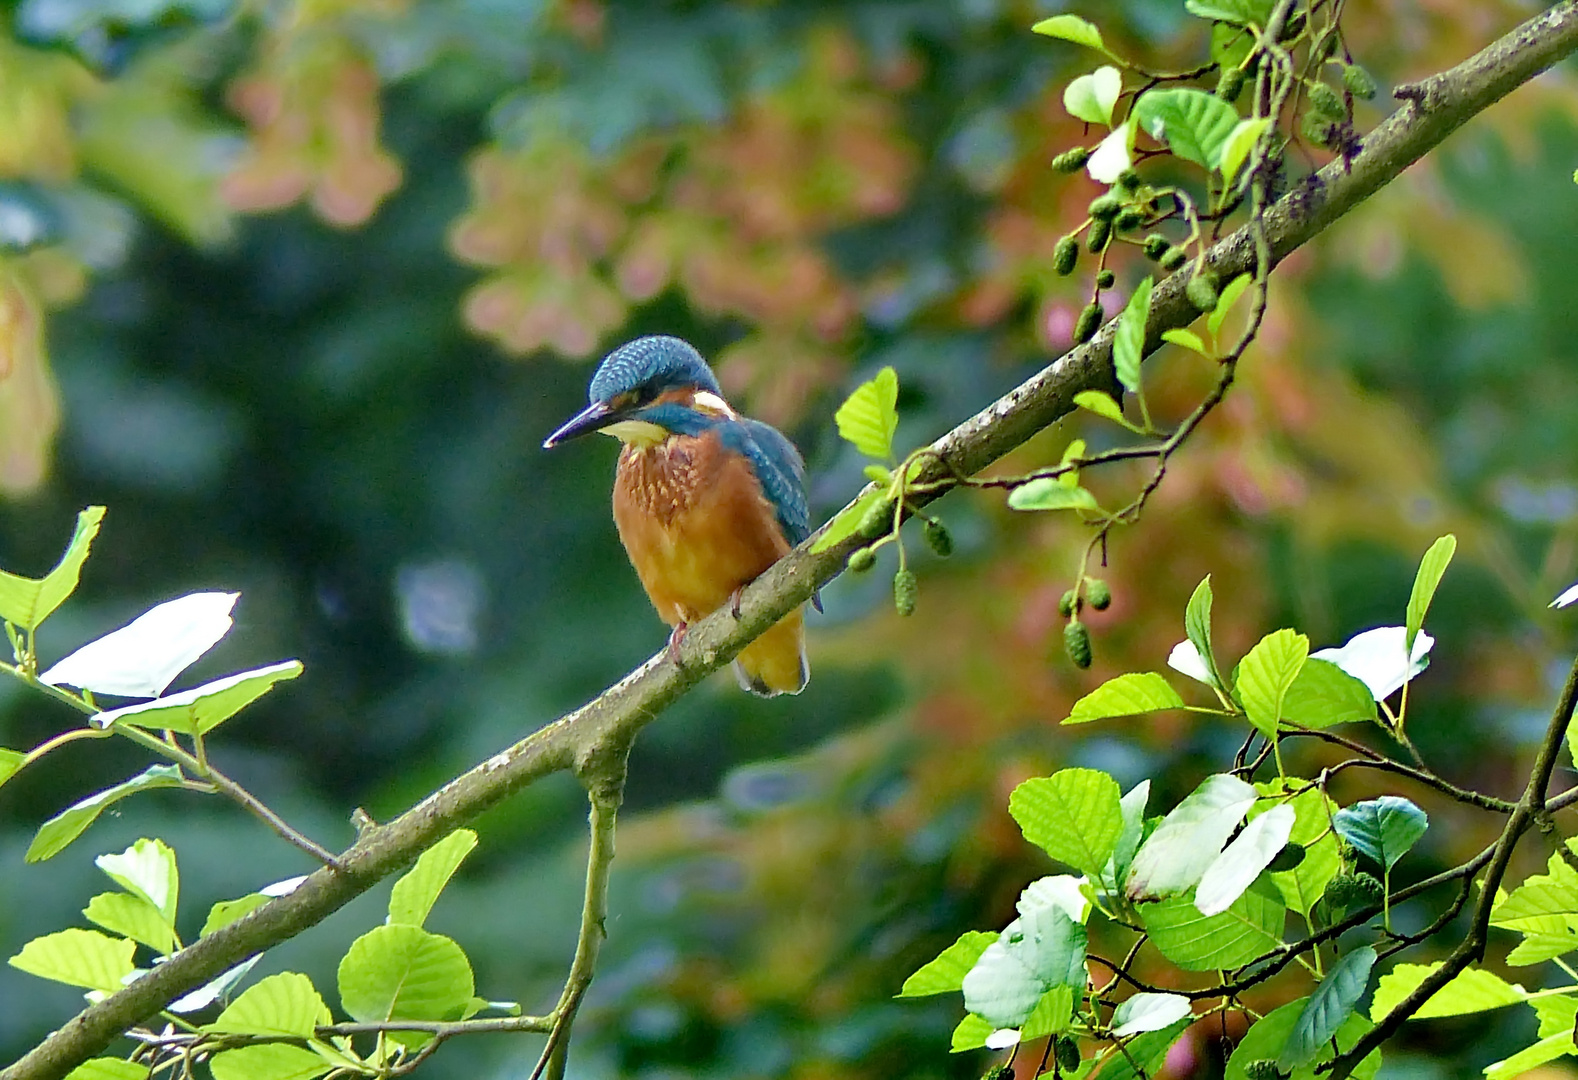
(143, 657)
(1188, 840)
(1149, 1012)
(1378, 658)
(1241, 862)
(1113, 156)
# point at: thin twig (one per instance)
(1472, 947)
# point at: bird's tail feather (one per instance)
(775, 663)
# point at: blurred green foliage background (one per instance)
(297, 289)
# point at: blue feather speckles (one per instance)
(658, 362)
(781, 472)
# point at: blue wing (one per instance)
(779, 469)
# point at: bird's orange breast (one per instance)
(695, 523)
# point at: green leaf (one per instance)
(1102, 404)
(202, 708)
(1128, 341)
(225, 912)
(146, 869)
(1186, 339)
(1312, 808)
(10, 762)
(108, 1069)
(285, 1004)
(1265, 1040)
(1230, 45)
(947, 972)
(1431, 567)
(1148, 1051)
(878, 474)
(869, 417)
(1237, 12)
(1197, 626)
(1240, 143)
(1196, 942)
(970, 1034)
(1091, 97)
(1531, 1057)
(1052, 1014)
(848, 520)
(26, 602)
(133, 917)
(60, 830)
(1195, 125)
(270, 1061)
(1537, 948)
(1073, 815)
(1557, 1014)
(1127, 695)
(1328, 1008)
(1072, 28)
(416, 891)
(1471, 990)
(83, 958)
(1324, 695)
(1225, 301)
(1383, 829)
(1189, 838)
(1266, 673)
(1046, 493)
(404, 973)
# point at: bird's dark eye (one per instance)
(645, 395)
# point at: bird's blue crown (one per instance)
(657, 363)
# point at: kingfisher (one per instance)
(704, 499)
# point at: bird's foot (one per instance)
(676, 636)
(734, 601)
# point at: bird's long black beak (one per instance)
(594, 417)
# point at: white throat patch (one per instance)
(707, 401)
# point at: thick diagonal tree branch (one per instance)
(591, 740)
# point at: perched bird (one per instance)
(705, 499)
